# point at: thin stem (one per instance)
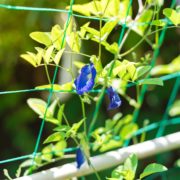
(47, 73)
(100, 26)
(79, 53)
(140, 41)
(84, 114)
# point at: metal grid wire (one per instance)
(160, 126)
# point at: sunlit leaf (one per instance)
(59, 147)
(175, 108)
(41, 37)
(60, 113)
(29, 58)
(57, 35)
(57, 87)
(75, 127)
(39, 55)
(47, 153)
(48, 54)
(144, 18)
(107, 28)
(131, 164)
(38, 105)
(57, 136)
(58, 56)
(110, 145)
(74, 41)
(172, 67)
(128, 130)
(158, 23)
(173, 15)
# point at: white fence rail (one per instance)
(109, 159)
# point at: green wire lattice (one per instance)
(158, 125)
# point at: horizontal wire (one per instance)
(150, 127)
(164, 78)
(40, 9)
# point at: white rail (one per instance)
(109, 159)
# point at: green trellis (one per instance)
(160, 126)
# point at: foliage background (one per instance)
(18, 124)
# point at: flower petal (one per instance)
(85, 81)
(79, 158)
(114, 98)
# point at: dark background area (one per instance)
(19, 125)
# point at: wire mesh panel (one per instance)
(111, 68)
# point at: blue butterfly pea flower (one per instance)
(79, 158)
(114, 98)
(86, 79)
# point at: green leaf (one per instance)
(82, 31)
(58, 56)
(173, 15)
(47, 153)
(60, 113)
(38, 106)
(167, 68)
(117, 173)
(82, 9)
(151, 169)
(74, 41)
(51, 120)
(62, 128)
(57, 87)
(125, 120)
(131, 164)
(110, 145)
(158, 23)
(140, 71)
(52, 107)
(74, 128)
(97, 63)
(48, 54)
(128, 130)
(29, 58)
(113, 48)
(57, 136)
(116, 68)
(175, 109)
(39, 55)
(59, 147)
(95, 33)
(144, 18)
(41, 37)
(151, 81)
(110, 8)
(131, 69)
(107, 28)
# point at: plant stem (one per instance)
(84, 114)
(47, 73)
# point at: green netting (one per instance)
(159, 125)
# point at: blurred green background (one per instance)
(19, 125)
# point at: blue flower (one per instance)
(114, 98)
(85, 81)
(79, 158)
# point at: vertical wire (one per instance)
(171, 100)
(96, 111)
(154, 58)
(51, 90)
